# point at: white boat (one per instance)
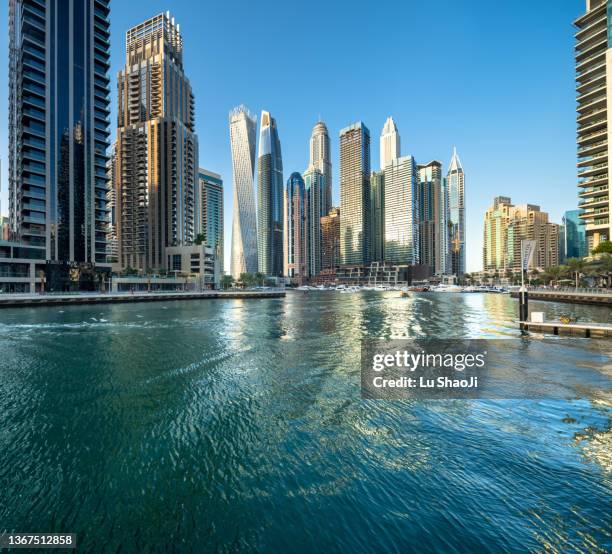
(447, 288)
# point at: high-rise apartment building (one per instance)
(314, 186)
(58, 127)
(244, 223)
(210, 210)
(389, 143)
(455, 189)
(355, 195)
(157, 149)
(574, 235)
(432, 219)
(593, 54)
(495, 250)
(269, 199)
(320, 157)
(330, 240)
(507, 226)
(401, 212)
(377, 216)
(296, 229)
(112, 246)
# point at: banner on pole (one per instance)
(528, 249)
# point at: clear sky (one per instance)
(496, 79)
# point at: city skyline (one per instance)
(469, 118)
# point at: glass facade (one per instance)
(574, 235)
(455, 189)
(211, 210)
(59, 56)
(295, 241)
(315, 189)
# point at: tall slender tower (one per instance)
(593, 52)
(314, 186)
(210, 207)
(401, 212)
(295, 242)
(244, 224)
(269, 199)
(157, 149)
(320, 157)
(355, 195)
(455, 184)
(389, 143)
(58, 127)
(432, 218)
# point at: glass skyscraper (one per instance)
(574, 235)
(432, 220)
(455, 189)
(295, 236)
(269, 199)
(157, 149)
(244, 224)
(58, 127)
(320, 157)
(314, 185)
(377, 216)
(210, 208)
(355, 195)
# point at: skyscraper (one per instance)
(497, 218)
(58, 127)
(244, 224)
(401, 212)
(210, 216)
(377, 216)
(593, 53)
(295, 236)
(314, 186)
(320, 157)
(157, 149)
(574, 236)
(432, 220)
(355, 195)
(389, 143)
(330, 240)
(455, 185)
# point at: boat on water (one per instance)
(447, 288)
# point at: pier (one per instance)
(594, 297)
(15, 300)
(585, 329)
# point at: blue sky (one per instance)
(496, 79)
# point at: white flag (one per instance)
(528, 249)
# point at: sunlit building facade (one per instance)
(157, 148)
(320, 158)
(455, 189)
(593, 56)
(210, 210)
(390, 145)
(355, 195)
(296, 229)
(244, 219)
(432, 219)
(330, 240)
(314, 186)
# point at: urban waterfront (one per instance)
(238, 425)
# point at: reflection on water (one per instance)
(237, 425)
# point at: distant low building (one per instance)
(22, 267)
(196, 260)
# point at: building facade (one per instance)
(210, 210)
(269, 199)
(112, 245)
(574, 235)
(455, 189)
(314, 186)
(296, 229)
(432, 219)
(377, 216)
(244, 223)
(59, 56)
(401, 246)
(355, 195)
(390, 146)
(593, 56)
(320, 158)
(157, 148)
(497, 218)
(330, 240)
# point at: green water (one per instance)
(237, 425)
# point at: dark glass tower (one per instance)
(269, 199)
(58, 127)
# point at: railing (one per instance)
(581, 290)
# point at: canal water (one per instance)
(237, 425)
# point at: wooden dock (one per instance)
(586, 329)
(16, 301)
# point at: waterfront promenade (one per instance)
(594, 297)
(26, 300)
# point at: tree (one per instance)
(575, 266)
(227, 281)
(603, 267)
(247, 279)
(259, 278)
(200, 239)
(129, 270)
(553, 273)
(604, 247)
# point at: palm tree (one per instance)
(259, 278)
(554, 273)
(575, 266)
(227, 281)
(602, 267)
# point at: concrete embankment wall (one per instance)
(570, 297)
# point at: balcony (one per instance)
(591, 138)
(596, 202)
(593, 191)
(591, 181)
(592, 170)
